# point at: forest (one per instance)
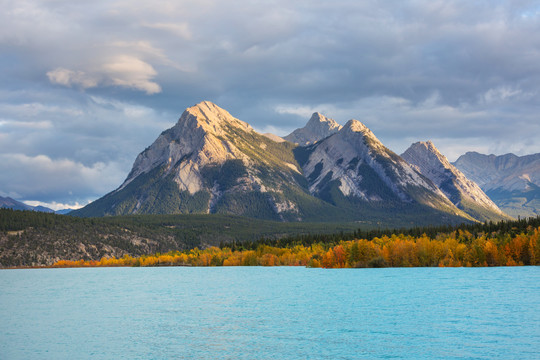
(509, 243)
(30, 238)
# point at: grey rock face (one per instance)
(317, 128)
(192, 143)
(211, 162)
(513, 182)
(362, 167)
(462, 192)
(208, 162)
(509, 172)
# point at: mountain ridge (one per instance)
(9, 203)
(513, 182)
(211, 162)
(462, 192)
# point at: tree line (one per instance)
(456, 248)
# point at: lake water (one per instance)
(270, 313)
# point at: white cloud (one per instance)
(31, 110)
(409, 70)
(55, 205)
(70, 78)
(34, 125)
(305, 111)
(37, 178)
(130, 72)
(272, 130)
(123, 70)
(501, 93)
(139, 47)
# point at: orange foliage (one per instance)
(459, 248)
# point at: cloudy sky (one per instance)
(87, 85)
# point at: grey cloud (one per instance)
(44, 179)
(97, 82)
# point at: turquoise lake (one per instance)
(270, 313)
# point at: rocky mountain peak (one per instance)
(353, 128)
(428, 145)
(212, 118)
(491, 171)
(211, 162)
(201, 136)
(356, 126)
(318, 120)
(317, 128)
(426, 150)
(462, 192)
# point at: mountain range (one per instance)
(212, 162)
(512, 182)
(9, 203)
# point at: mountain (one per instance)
(352, 169)
(513, 182)
(63, 211)
(317, 128)
(211, 162)
(43, 209)
(462, 192)
(9, 203)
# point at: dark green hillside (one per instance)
(517, 202)
(503, 231)
(150, 193)
(30, 238)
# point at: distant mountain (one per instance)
(43, 209)
(9, 203)
(317, 128)
(462, 192)
(211, 162)
(63, 211)
(512, 182)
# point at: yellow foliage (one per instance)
(458, 248)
